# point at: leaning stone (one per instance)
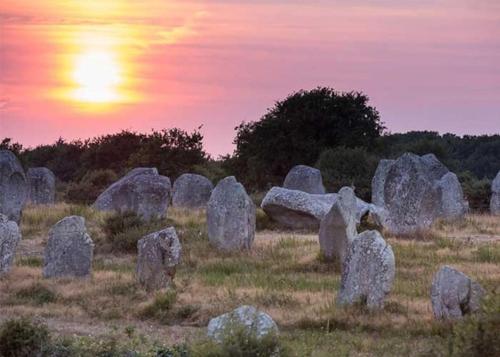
(42, 185)
(495, 195)
(230, 216)
(304, 178)
(142, 191)
(69, 250)
(191, 191)
(9, 238)
(14, 187)
(253, 321)
(338, 227)
(368, 271)
(158, 255)
(454, 294)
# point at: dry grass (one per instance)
(283, 275)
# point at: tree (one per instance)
(297, 129)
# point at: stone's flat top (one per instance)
(304, 178)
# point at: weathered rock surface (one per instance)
(158, 255)
(9, 238)
(191, 191)
(255, 322)
(338, 227)
(454, 294)
(495, 195)
(411, 192)
(142, 191)
(368, 271)
(230, 216)
(42, 184)
(69, 250)
(14, 187)
(298, 210)
(304, 178)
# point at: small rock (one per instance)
(368, 271)
(247, 317)
(158, 256)
(454, 294)
(230, 216)
(9, 238)
(191, 191)
(69, 250)
(304, 178)
(42, 186)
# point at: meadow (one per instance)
(283, 275)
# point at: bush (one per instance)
(123, 230)
(477, 192)
(90, 186)
(161, 306)
(22, 337)
(37, 293)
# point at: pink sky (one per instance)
(425, 64)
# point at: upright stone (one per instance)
(253, 322)
(42, 185)
(454, 294)
(230, 216)
(9, 238)
(495, 195)
(191, 191)
(158, 256)
(304, 178)
(378, 181)
(69, 250)
(13, 186)
(453, 204)
(142, 191)
(368, 271)
(338, 227)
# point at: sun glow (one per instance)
(97, 75)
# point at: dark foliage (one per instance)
(90, 186)
(23, 338)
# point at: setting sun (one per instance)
(97, 75)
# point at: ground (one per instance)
(283, 275)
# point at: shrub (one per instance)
(161, 306)
(22, 337)
(90, 186)
(37, 293)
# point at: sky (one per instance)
(82, 68)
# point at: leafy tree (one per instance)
(297, 129)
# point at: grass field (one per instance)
(282, 275)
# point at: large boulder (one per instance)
(191, 191)
(158, 255)
(304, 178)
(410, 193)
(300, 210)
(14, 187)
(142, 191)
(368, 271)
(42, 184)
(338, 227)
(69, 250)
(495, 195)
(9, 238)
(230, 216)
(454, 294)
(254, 322)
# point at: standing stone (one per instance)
(13, 186)
(9, 238)
(454, 294)
(495, 195)
(142, 191)
(69, 250)
(158, 256)
(42, 186)
(230, 216)
(338, 227)
(378, 181)
(253, 321)
(191, 191)
(452, 200)
(368, 271)
(304, 178)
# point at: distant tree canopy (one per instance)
(297, 129)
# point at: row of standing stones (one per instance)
(408, 195)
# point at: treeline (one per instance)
(340, 133)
